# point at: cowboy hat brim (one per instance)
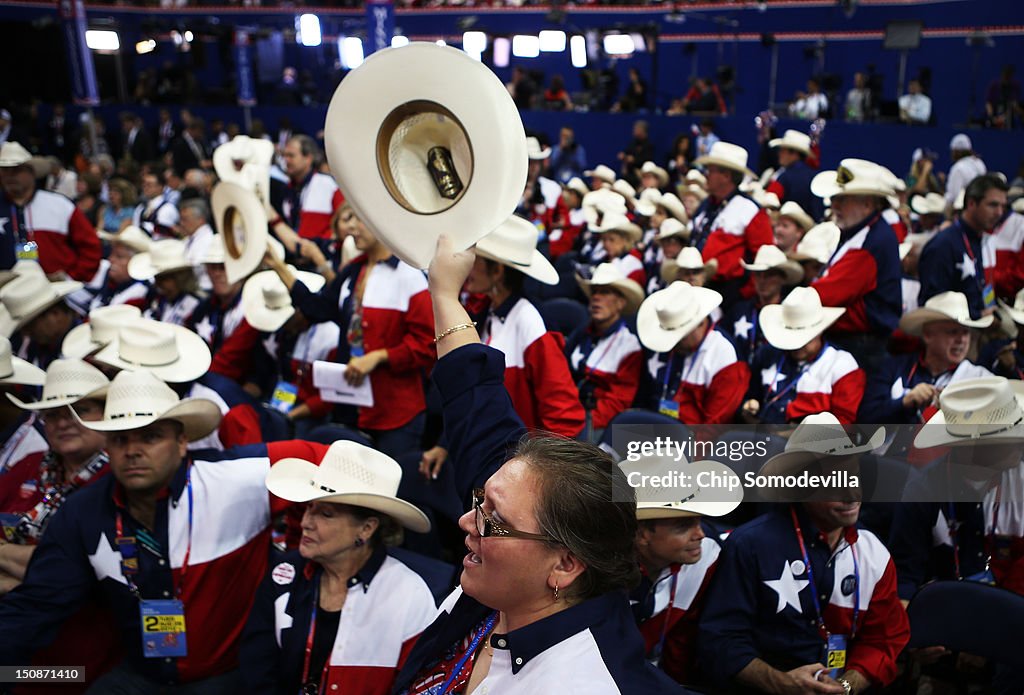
(78, 342)
(633, 293)
(791, 270)
(913, 322)
(782, 338)
(802, 219)
(539, 268)
(290, 479)
(254, 308)
(61, 289)
(826, 185)
(790, 144)
(717, 500)
(660, 339)
(198, 416)
(140, 266)
(934, 432)
(193, 361)
(244, 247)
(669, 270)
(23, 373)
(724, 163)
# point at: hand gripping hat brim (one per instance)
(242, 223)
(425, 140)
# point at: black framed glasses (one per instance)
(487, 527)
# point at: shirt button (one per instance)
(166, 594)
(334, 686)
(502, 643)
(519, 661)
(160, 562)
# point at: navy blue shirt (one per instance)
(952, 261)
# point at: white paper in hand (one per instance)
(329, 377)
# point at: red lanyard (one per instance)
(309, 644)
(588, 370)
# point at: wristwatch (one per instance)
(846, 685)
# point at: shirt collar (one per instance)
(849, 533)
(174, 490)
(365, 574)
(596, 337)
(502, 310)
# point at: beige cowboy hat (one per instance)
(601, 172)
(818, 244)
(657, 171)
(535, 151)
(216, 251)
(138, 399)
(695, 177)
(16, 371)
(1016, 311)
(102, 327)
(13, 154)
(163, 256)
(27, 296)
(855, 177)
(241, 221)
(608, 275)
(173, 353)
(672, 227)
(131, 236)
(675, 501)
(818, 436)
(769, 201)
(603, 201)
(793, 140)
(646, 203)
(576, 184)
(1018, 205)
(66, 382)
(514, 243)
(796, 213)
(798, 320)
(674, 206)
(689, 258)
(691, 189)
(668, 315)
(728, 156)
(947, 306)
(931, 204)
(620, 224)
(245, 161)
(267, 303)
(626, 190)
(349, 473)
(420, 158)
(987, 410)
(769, 257)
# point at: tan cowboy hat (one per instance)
(535, 151)
(245, 161)
(350, 473)
(163, 256)
(793, 140)
(16, 371)
(619, 223)
(576, 184)
(769, 201)
(626, 190)
(818, 244)
(931, 204)
(817, 437)
(689, 258)
(657, 171)
(855, 177)
(674, 206)
(419, 158)
(728, 156)
(138, 399)
(131, 236)
(66, 381)
(769, 257)
(173, 353)
(691, 189)
(514, 243)
(102, 327)
(796, 213)
(27, 296)
(603, 201)
(12, 154)
(987, 410)
(602, 172)
(241, 221)
(798, 320)
(695, 177)
(947, 306)
(608, 275)
(216, 253)
(1015, 312)
(668, 315)
(657, 501)
(672, 227)
(1018, 205)
(267, 303)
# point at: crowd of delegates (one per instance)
(162, 430)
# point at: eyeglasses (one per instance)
(489, 528)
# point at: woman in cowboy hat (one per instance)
(174, 290)
(340, 611)
(666, 246)
(619, 238)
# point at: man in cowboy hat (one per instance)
(604, 354)
(960, 258)
(35, 314)
(800, 372)
(566, 230)
(791, 224)
(803, 600)
(619, 238)
(773, 274)
(41, 225)
(310, 198)
(542, 201)
(117, 285)
(728, 226)
(792, 180)
(21, 433)
(173, 290)
(155, 539)
(667, 245)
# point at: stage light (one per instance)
(441, 42)
(578, 51)
(102, 40)
(351, 53)
(307, 30)
(397, 41)
(525, 46)
(474, 43)
(189, 36)
(502, 51)
(552, 41)
(145, 46)
(619, 44)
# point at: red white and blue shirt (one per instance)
(730, 231)
(610, 364)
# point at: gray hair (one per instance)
(198, 206)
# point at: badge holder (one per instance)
(669, 407)
(835, 655)
(163, 628)
(285, 396)
(988, 295)
(28, 251)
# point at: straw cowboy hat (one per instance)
(418, 158)
(16, 371)
(793, 140)
(535, 151)
(102, 327)
(514, 243)
(818, 244)
(668, 315)
(931, 204)
(608, 275)
(1016, 312)
(12, 155)
(672, 227)
(691, 189)
(796, 213)
(672, 502)
(601, 172)
(817, 437)
(689, 258)
(241, 221)
(987, 410)
(266, 302)
(695, 177)
(947, 306)
(138, 399)
(173, 353)
(350, 473)
(131, 236)
(798, 320)
(620, 224)
(66, 382)
(855, 177)
(216, 251)
(603, 201)
(576, 184)
(674, 206)
(769, 257)
(728, 156)
(657, 171)
(246, 162)
(27, 296)
(163, 256)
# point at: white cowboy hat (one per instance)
(645, 207)
(246, 162)
(14, 370)
(769, 257)
(608, 275)
(987, 410)
(931, 204)
(241, 221)
(102, 327)
(694, 176)
(349, 473)
(817, 437)
(138, 399)
(674, 206)
(514, 243)
(655, 170)
(418, 158)
(672, 227)
(946, 306)
(691, 189)
(728, 156)
(675, 501)
(27, 296)
(855, 177)
(603, 201)
(216, 253)
(689, 258)
(66, 381)
(668, 315)
(818, 244)
(798, 320)
(12, 154)
(576, 184)
(768, 200)
(626, 190)
(535, 151)
(602, 172)
(793, 140)
(266, 302)
(131, 236)
(1015, 312)
(961, 141)
(173, 353)
(796, 213)
(164, 256)
(618, 223)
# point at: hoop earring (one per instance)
(556, 591)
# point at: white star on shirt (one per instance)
(205, 329)
(270, 345)
(967, 267)
(741, 329)
(575, 357)
(655, 363)
(106, 562)
(788, 587)
(771, 376)
(3, 224)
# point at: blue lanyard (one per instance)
(668, 614)
(822, 629)
(469, 652)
